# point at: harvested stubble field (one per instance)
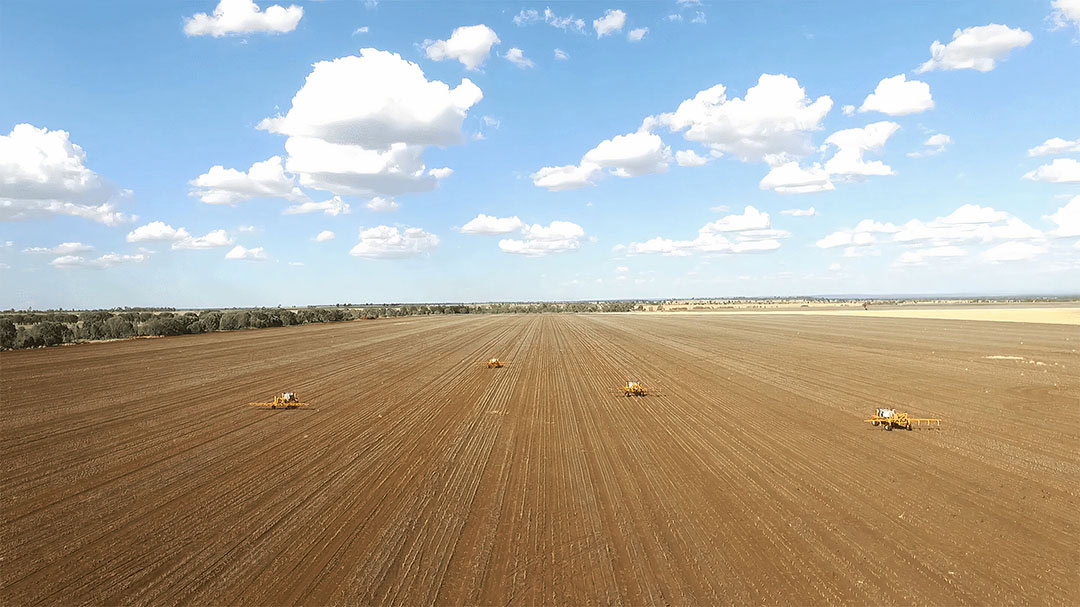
(133, 472)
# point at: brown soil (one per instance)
(133, 472)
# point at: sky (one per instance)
(203, 154)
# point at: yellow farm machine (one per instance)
(495, 363)
(634, 388)
(284, 400)
(890, 418)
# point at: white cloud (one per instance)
(1067, 219)
(1061, 170)
(898, 96)
(43, 174)
(1012, 251)
(848, 110)
(108, 260)
(790, 178)
(561, 55)
(630, 155)
(526, 16)
(934, 145)
(799, 212)
(920, 257)
(518, 58)
(324, 236)
(233, 17)
(264, 179)
(386, 242)
(622, 269)
(557, 237)
(64, 248)
(333, 207)
(298, 264)
(636, 35)
(674, 17)
(612, 21)
(977, 48)
(1055, 146)
(699, 17)
(361, 30)
(567, 177)
(489, 224)
(159, 231)
(851, 144)
(751, 230)
(491, 121)
(1065, 12)
(969, 222)
(441, 173)
(382, 204)
(564, 23)
(859, 236)
(241, 252)
(689, 158)
(775, 117)
(359, 125)
(469, 44)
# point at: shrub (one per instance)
(118, 327)
(163, 326)
(7, 333)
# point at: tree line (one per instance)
(28, 329)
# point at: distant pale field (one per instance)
(1049, 315)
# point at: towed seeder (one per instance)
(285, 400)
(495, 363)
(890, 418)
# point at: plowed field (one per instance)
(133, 473)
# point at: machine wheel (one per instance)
(888, 427)
(875, 424)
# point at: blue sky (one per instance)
(620, 170)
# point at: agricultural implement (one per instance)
(285, 400)
(635, 388)
(889, 419)
(495, 363)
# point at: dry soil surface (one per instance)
(133, 472)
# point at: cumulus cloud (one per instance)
(234, 17)
(630, 155)
(1067, 219)
(689, 158)
(969, 222)
(264, 179)
(43, 174)
(108, 260)
(612, 21)
(976, 48)
(791, 178)
(1055, 146)
(1065, 12)
(64, 248)
(539, 240)
(1012, 251)
(382, 204)
(333, 207)
(518, 58)
(636, 35)
(159, 231)
(799, 212)
(852, 144)
(386, 242)
(489, 224)
(859, 236)
(470, 44)
(561, 55)
(775, 117)
(749, 232)
(244, 253)
(920, 257)
(848, 110)
(1061, 170)
(360, 125)
(898, 96)
(324, 236)
(934, 145)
